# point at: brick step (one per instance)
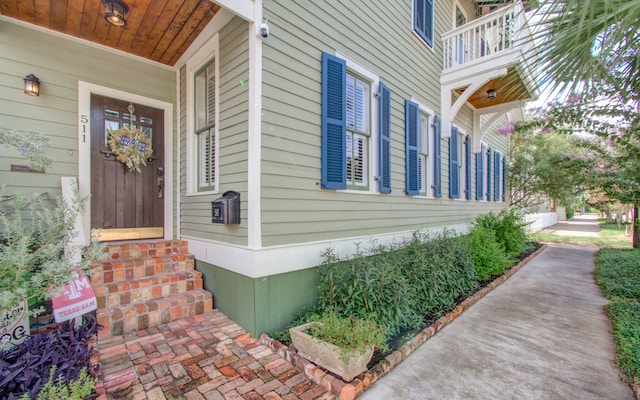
(141, 315)
(147, 288)
(105, 272)
(143, 249)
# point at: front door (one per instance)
(124, 204)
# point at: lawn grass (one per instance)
(618, 275)
(610, 236)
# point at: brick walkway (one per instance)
(207, 356)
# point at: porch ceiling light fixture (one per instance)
(491, 94)
(115, 12)
(32, 85)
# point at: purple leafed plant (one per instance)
(26, 368)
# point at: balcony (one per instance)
(494, 52)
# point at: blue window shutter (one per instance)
(437, 159)
(480, 174)
(496, 176)
(411, 128)
(454, 174)
(385, 139)
(334, 162)
(504, 178)
(467, 163)
(489, 154)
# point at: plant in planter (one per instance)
(343, 346)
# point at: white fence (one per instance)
(540, 221)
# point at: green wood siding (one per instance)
(263, 304)
(195, 213)
(294, 207)
(60, 63)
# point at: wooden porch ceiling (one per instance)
(508, 88)
(159, 30)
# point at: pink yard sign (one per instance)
(77, 299)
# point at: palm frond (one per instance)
(586, 43)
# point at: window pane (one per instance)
(359, 160)
(419, 15)
(206, 158)
(424, 134)
(421, 175)
(350, 102)
(348, 152)
(362, 106)
(211, 94)
(146, 120)
(111, 114)
(109, 126)
(147, 131)
(200, 100)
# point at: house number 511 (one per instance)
(83, 123)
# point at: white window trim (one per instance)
(430, 147)
(208, 52)
(374, 137)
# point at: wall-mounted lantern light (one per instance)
(491, 94)
(115, 12)
(32, 85)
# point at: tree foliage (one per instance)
(542, 163)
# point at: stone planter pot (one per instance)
(329, 356)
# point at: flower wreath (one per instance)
(131, 147)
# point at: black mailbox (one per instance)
(226, 209)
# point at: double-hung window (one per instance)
(422, 151)
(423, 20)
(356, 132)
(425, 178)
(205, 125)
(202, 120)
(459, 165)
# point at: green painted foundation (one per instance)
(262, 304)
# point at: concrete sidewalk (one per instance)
(543, 334)
(581, 225)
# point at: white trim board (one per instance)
(267, 261)
(85, 90)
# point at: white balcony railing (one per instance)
(490, 35)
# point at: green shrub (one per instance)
(350, 334)
(570, 212)
(508, 228)
(618, 273)
(399, 285)
(439, 269)
(34, 234)
(625, 318)
(368, 286)
(56, 389)
(489, 258)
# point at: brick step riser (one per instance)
(114, 252)
(112, 272)
(130, 318)
(124, 293)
